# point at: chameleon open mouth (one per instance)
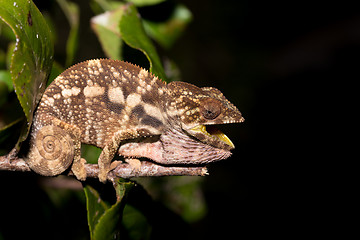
(212, 135)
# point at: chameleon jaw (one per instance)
(211, 135)
(174, 147)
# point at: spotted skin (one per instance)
(106, 102)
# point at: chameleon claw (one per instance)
(204, 172)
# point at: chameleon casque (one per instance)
(122, 108)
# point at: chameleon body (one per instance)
(122, 108)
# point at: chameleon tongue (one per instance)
(212, 131)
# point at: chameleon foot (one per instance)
(135, 164)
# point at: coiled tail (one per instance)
(51, 151)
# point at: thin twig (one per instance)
(124, 170)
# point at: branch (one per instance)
(124, 170)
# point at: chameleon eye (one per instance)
(211, 109)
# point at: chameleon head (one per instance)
(199, 109)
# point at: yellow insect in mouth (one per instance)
(213, 132)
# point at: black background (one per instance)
(289, 66)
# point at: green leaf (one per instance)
(33, 54)
(136, 224)
(104, 219)
(109, 224)
(142, 3)
(95, 207)
(6, 32)
(4, 91)
(104, 5)
(5, 77)
(71, 11)
(106, 27)
(166, 33)
(133, 33)
(10, 51)
(90, 153)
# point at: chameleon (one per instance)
(124, 109)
